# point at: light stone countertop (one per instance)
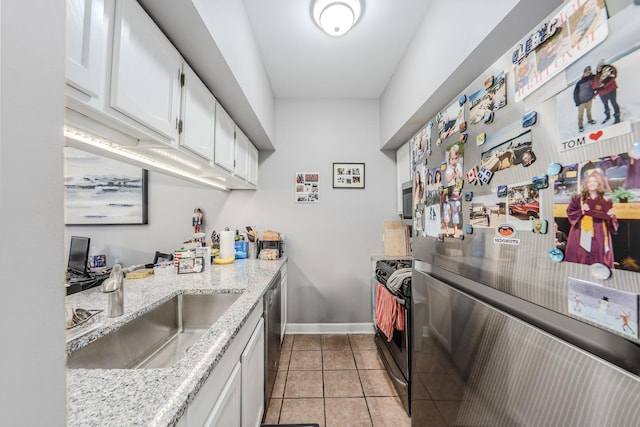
(159, 397)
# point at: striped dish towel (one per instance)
(389, 313)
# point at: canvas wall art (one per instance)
(103, 191)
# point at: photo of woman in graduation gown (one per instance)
(593, 222)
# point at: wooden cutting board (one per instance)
(396, 239)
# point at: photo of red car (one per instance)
(528, 208)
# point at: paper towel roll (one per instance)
(227, 244)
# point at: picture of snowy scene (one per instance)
(610, 308)
(99, 190)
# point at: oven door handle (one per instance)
(390, 371)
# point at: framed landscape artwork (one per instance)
(103, 191)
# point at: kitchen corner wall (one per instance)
(329, 244)
(171, 205)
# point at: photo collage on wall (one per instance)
(307, 187)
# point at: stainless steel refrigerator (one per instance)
(525, 311)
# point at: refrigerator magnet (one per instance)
(529, 119)
(634, 150)
(488, 82)
(472, 175)
(462, 100)
(468, 196)
(554, 169)
(539, 226)
(484, 175)
(488, 117)
(600, 271)
(468, 228)
(480, 139)
(540, 182)
(556, 255)
(502, 191)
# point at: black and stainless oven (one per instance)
(396, 353)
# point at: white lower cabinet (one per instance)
(253, 378)
(283, 301)
(228, 406)
(233, 395)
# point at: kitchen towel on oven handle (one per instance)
(398, 278)
(389, 313)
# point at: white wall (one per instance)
(329, 244)
(449, 50)
(229, 25)
(171, 205)
(32, 374)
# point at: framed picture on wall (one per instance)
(348, 175)
(103, 191)
(307, 187)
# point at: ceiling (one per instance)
(302, 61)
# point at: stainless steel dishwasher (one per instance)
(271, 336)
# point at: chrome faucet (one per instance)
(114, 286)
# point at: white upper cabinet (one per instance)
(241, 154)
(198, 116)
(146, 70)
(252, 166)
(87, 31)
(224, 152)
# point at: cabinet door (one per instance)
(283, 301)
(86, 45)
(241, 154)
(145, 78)
(252, 362)
(226, 412)
(224, 146)
(198, 116)
(252, 166)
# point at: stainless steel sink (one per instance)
(156, 339)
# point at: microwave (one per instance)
(407, 200)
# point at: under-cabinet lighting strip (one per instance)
(105, 144)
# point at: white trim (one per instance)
(329, 328)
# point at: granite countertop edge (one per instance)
(159, 397)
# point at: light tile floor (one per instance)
(334, 380)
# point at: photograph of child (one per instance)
(597, 208)
(454, 173)
(432, 209)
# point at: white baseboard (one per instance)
(329, 328)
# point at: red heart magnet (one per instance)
(595, 135)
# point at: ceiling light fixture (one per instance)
(336, 17)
